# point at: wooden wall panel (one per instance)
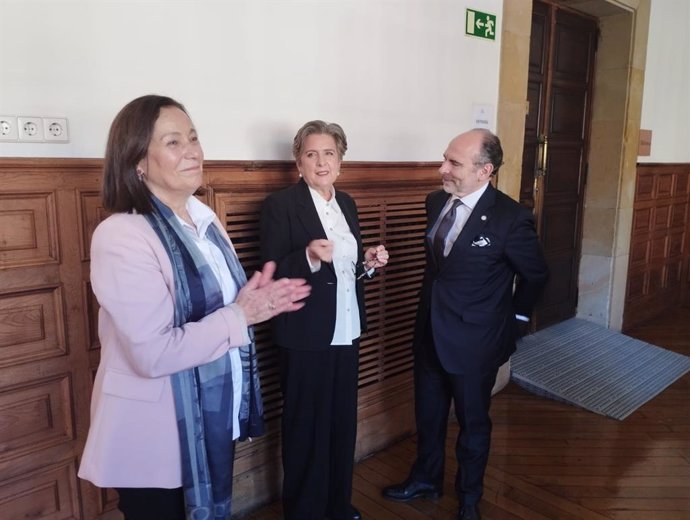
(49, 348)
(44, 370)
(49, 493)
(91, 213)
(27, 229)
(31, 326)
(35, 416)
(658, 270)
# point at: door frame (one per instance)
(612, 157)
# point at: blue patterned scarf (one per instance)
(204, 395)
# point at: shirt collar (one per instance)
(321, 203)
(471, 200)
(201, 215)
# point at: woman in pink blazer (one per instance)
(177, 382)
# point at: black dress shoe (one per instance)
(411, 489)
(356, 515)
(469, 513)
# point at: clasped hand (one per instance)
(262, 297)
(322, 250)
(375, 257)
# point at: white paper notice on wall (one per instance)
(482, 116)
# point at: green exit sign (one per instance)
(482, 25)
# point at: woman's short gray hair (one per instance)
(320, 127)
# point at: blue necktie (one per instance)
(442, 231)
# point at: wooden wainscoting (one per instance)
(49, 348)
(658, 277)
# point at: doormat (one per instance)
(598, 369)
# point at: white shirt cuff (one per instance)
(313, 266)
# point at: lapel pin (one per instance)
(483, 217)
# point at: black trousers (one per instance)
(319, 431)
(150, 503)
(471, 395)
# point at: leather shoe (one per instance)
(469, 513)
(411, 489)
(356, 515)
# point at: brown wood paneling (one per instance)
(35, 416)
(49, 347)
(31, 326)
(49, 492)
(27, 229)
(91, 213)
(44, 371)
(659, 253)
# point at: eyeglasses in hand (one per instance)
(364, 272)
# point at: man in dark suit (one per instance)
(485, 271)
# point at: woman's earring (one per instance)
(140, 175)
(300, 174)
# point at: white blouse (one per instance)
(345, 254)
(203, 216)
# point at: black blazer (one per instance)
(288, 223)
(468, 300)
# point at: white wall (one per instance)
(399, 75)
(666, 99)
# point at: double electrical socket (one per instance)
(34, 129)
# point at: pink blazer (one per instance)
(132, 440)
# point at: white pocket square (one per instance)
(481, 241)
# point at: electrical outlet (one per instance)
(55, 129)
(30, 128)
(8, 128)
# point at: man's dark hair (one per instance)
(491, 151)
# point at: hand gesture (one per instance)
(375, 257)
(263, 297)
(320, 250)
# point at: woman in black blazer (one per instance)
(312, 231)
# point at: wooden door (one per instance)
(562, 48)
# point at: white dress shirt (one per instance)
(461, 215)
(347, 324)
(203, 216)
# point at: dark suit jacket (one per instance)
(468, 301)
(288, 223)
